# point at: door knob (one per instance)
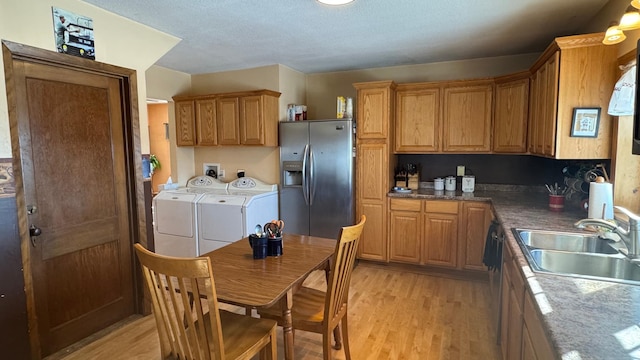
(34, 231)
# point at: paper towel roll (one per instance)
(600, 200)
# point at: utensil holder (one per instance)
(259, 246)
(556, 203)
(274, 246)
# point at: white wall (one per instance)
(118, 41)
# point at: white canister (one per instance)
(438, 184)
(468, 183)
(450, 183)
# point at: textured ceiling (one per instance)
(221, 35)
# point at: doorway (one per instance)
(77, 167)
(158, 113)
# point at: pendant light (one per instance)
(630, 20)
(335, 2)
(614, 35)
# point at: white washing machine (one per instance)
(226, 218)
(175, 227)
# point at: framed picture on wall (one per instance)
(585, 122)
(73, 33)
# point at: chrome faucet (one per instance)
(630, 236)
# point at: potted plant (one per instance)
(154, 163)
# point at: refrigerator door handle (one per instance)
(312, 182)
(305, 190)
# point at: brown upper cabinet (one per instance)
(242, 118)
(185, 123)
(511, 113)
(374, 109)
(573, 72)
(418, 118)
(206, 131)
(467, 110)
(444, 117)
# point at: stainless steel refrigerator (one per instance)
(316, 184)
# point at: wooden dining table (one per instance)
(244, 281)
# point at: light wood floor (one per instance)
(393, 314)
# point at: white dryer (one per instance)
(175, 228)
(226, 218)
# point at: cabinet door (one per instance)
(206, 126)
(550, 105)
(536, 333)
(510, 120)
(185, 123)
(504, 311)
(228, 113)
(476, 219)
(371, 171)
(467, 118)
(373, 241)
(514, 346)
(374, 112)
(418, 120)
(534, 112)
(371, 199)
(528, 352)
(440, 239)
(404, 236)
(251, 121)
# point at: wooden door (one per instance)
(206, 125)
(371, 194)
(440, 239)
(374, 109)
(77, 184)
(251, 120)
(417, 119)
(185, 123)
(405, 231)
(510, 118)
(534, 112)
(467, 110)
(476, 219)
(551, 105)
(228, 116)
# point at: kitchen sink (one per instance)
(574, 242)
(575, 254)
(593, 265)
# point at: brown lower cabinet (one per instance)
(521, 333)
(444, 233)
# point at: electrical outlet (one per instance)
(460, 171)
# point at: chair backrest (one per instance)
(182, 291)
(343, 260)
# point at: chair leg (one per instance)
(337, 336)
(270, 352)
(326, 344)
(345, 338)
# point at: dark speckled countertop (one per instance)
(584, 319)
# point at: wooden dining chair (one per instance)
(190, 324)
(323, 312)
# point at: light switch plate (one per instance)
(460, 171)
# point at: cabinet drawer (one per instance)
(405, 205)
(437, 206)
